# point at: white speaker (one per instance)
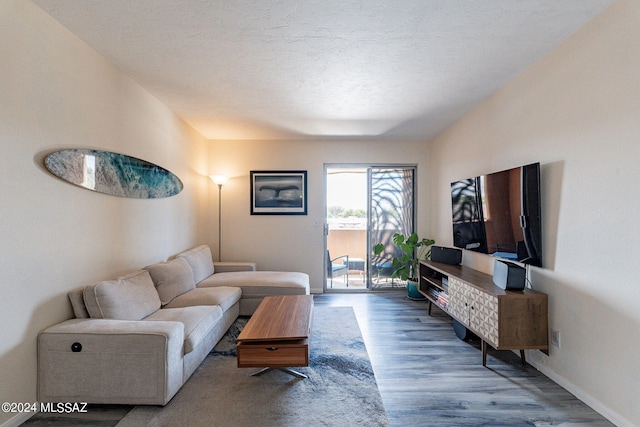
(508, 275)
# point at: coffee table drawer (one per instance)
(273, 355)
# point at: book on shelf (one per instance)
(440, 297)
(442, 300)
(433, 293)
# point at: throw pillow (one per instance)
(130, 297)
(201, 262)
(171, 278)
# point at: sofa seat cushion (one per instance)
(171, 278)
(224, 296)
(197, 321)
(261, 283)
(200, 260)
(130, 297)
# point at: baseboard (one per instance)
(18, 420)
(585, 397)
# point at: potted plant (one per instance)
(405, 267)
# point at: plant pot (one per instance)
(412, 291)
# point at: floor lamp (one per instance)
(220, 180)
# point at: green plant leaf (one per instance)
(378, 249)
(413, 239)
(413, 249)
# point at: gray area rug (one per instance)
(340, 390)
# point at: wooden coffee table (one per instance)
(277, 335)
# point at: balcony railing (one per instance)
(350, 239)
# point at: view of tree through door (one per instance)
(365, 205)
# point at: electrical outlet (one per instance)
(555, 338)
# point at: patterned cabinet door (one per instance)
(483, 315)
(458, 305)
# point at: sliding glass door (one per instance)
(391, 210)
(365, 205)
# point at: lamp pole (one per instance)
(219, 222)
(220, 180)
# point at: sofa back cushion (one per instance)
(172, 278)
(201, 262)
(130, 297)
(77, 302)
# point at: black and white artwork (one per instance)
(278, 192)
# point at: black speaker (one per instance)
(446, 255)
(508, 275)
(462, 332)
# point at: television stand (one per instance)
(502, 319)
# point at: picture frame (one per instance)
(278, 192)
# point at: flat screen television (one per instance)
(499, 214)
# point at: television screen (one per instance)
(499, 214)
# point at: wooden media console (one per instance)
(502, 319)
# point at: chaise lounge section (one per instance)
(255, 284)
(137, 339)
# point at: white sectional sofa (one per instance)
(255, 285)
(137, 339)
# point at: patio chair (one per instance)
(335, 269)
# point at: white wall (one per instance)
(577, 111)
(57, 93)
(279, 242)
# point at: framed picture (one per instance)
(278, 192)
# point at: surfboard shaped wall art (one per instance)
(113, 173)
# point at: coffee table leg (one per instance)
(286, 370)
(292, 372)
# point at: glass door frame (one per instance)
(368, 167)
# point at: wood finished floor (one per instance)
(427, 376)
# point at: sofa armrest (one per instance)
(110, 361)
(227, 267)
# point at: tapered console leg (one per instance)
(484, 353)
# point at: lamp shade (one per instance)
(219, 179)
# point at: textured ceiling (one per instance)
(287, 69)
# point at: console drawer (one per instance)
(277, 354)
